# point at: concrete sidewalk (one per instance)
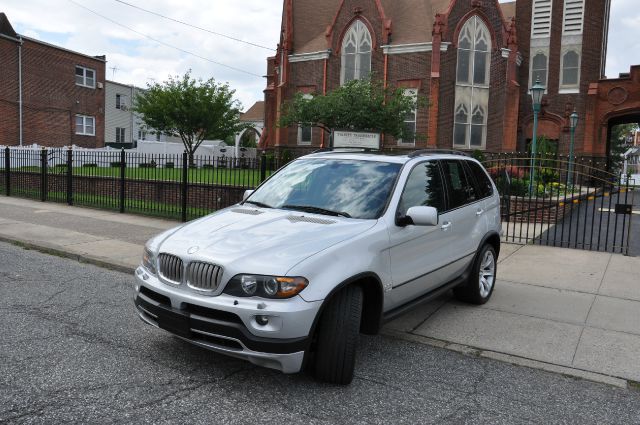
(568, 311)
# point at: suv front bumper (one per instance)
(227, 324)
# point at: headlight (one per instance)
(250, 285)
(149, 260)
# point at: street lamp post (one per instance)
(573, 122)
(536, 98)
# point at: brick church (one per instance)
(474, 60)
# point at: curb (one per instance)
(514, 360)
(72, 256)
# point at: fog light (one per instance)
(262, 320)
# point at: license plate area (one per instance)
(176, 323)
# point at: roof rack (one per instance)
(343, 150)
(422, 152)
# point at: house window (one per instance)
(120, 135)
(120, 102)
(85, 125)
(570, 78)
(356, 53)
(142, 135)
(539, 68)
(410, 120)
(472, 85)
(85, 77)
(572, 17)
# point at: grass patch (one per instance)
(223, 176)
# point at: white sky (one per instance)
(139, 60)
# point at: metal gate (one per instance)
(549, 200)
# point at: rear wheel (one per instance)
(479, 286)
(337, 337)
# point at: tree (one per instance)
(619, 144)
(192, 109)
(358, 105)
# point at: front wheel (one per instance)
(337, 337)
(479, 286)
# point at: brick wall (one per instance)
(51, 99)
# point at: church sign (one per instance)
(356, 139)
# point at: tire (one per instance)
(337, 337)
(482, 280)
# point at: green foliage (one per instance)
(478, 155)
(618, 146)
(189, 108)
(364, 105)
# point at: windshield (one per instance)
(349, 188)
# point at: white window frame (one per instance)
(121, 135)
(84, 77)
(85, 119)
(300, 127)
(570, 88)
(533, 53)
(474, 99)
(358, 32)
(413, 93)
(119, 101)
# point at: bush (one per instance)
(169, 165)
(89, 165)
(208, 166)
(116, 164)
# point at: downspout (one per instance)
(324, 93)
(20, 89)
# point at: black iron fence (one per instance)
(167, 185)
(552, 200)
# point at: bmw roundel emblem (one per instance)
(193, 249)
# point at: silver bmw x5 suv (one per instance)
(333, 244)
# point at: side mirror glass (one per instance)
(247, 193)
(422, 216)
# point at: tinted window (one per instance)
(461, 190)
(484, 183)
(357, 188)
(423, 188)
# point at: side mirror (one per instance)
(247, 193)
(422, 216)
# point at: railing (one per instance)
(166, 185)
(571, 203)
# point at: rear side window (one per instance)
(423, 188)
(461, 189)
(484, 183)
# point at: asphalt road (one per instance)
(73, 350)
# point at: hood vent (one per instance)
(303, 219)
(245, 211)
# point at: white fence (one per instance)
(154, 154)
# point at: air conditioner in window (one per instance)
(100, 85)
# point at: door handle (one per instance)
(479, 212)
(445, 226)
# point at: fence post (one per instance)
(184, 184)
(123, 174)
(263, 166)
(44, 189)
(70, 176)
(7, 170)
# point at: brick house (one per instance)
(473, 59)
(49, 96)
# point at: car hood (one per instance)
(261, 241)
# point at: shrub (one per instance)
(169, 165)
(89, 165)
(116, 164)
(208, 166)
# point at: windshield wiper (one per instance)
(258, 204)
(312, 209)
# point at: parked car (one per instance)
(333, 244)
